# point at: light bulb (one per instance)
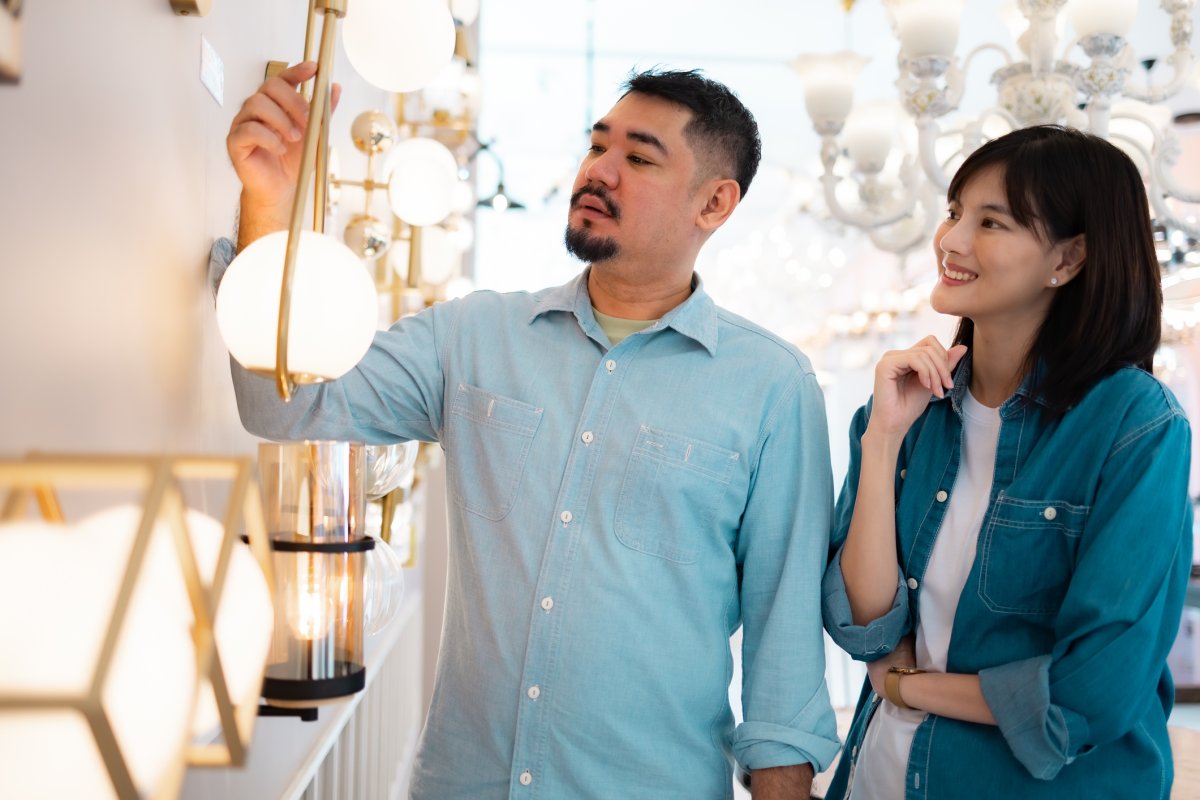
(310, 608)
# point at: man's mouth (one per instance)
(593, 199)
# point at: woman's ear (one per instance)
(1072, 257)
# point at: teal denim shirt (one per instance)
(1071, 604)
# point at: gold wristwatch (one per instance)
(891, 685)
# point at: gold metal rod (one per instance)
(312, 132)
(368, 184)
(322, 181)
(414, 257)
(309, 27)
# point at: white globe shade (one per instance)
(422, 175)
(332, 311)
(440, 257)
(398, 46)
(66, 579)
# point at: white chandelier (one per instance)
(1098, 94)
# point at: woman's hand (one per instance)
(904, 655)
(906, 379)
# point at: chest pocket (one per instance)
(488, 439)
(670, 493)
(1029, 549)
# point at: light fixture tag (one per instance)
(212, 71)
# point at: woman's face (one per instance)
(991, 269)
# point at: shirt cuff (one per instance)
(760, 745)
(1044, 737)
(863, 642)
(219, 258)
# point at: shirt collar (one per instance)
(695, 317)
(1023, 394)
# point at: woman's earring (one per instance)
(1054, 281)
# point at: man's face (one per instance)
(634, 197)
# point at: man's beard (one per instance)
(588, 248)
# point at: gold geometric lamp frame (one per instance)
(162, 515)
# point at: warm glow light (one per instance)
(422, 176)
(398, 46)
(64, 581)
(870, 130)
(332, 310)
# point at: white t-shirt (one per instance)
(883, 760)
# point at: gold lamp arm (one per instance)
(316, 131)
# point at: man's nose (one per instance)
(602, 169)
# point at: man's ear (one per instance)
(723, 196)
(1072, 259)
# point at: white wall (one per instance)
(113, 184)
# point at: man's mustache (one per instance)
(601, 194)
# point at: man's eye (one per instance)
(638, 160)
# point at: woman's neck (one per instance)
(998, 363)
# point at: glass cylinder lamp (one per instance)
(314, 506)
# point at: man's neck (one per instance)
(616, 297)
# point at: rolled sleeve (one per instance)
(781, 548)
(1120, 614)
(863, 642)
(1042, 736)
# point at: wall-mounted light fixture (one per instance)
(322, 286)
(142, 631)
(315, 504)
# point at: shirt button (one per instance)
(941, 495)
(912, 583)
(534, 692)
(610, 365)
(547, 603)
(566, 517)
(1050, 512)
(903, 474)
(526, 778)
(587, 437)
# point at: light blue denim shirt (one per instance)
(615, 513)
(1071, 605)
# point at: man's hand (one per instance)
(782, 783)
(265, 146)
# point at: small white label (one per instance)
(212, 71)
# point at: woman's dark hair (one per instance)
(1059, 183)
(722, 130)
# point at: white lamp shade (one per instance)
(926, 27)
(66, 580)
(440, 257)
(829, 80)
(422, 174)
(1090, 17)
(244, 623)
(869, 133)
(333, 306)
(398, 46)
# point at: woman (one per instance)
(1028, 487)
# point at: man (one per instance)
(631, 470)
